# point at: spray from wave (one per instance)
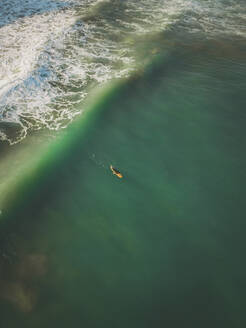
(53, 52)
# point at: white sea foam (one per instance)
(32, 35)
(50, 51)
(214, 18)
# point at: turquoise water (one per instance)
(164, 246)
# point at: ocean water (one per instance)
(54, 52)
(156, 89)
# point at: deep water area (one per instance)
(164, 245)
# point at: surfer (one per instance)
(116, 172)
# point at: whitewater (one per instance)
(53, 53)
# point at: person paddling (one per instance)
(116, 172)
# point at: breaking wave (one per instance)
(53, 52)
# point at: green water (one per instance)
(162, 247)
